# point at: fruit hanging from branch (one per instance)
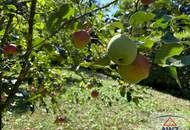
(122, 50)
(81, 39)
(10, 49)
(136, 71)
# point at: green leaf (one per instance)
(37, 41)
(140, 17)
(118, 25)
(166, 51)
(85, 64)
(183, 34)
(148, 43)
(2, 32)
(169, 38)
(103, 61)
(160, 23)
(39, 25)
(167, 17)
(56, 18)
(12, 7)
(42, 2)
(183, 61)
(173, 73)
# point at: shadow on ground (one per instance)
(159, 80)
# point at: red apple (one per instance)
(136, 71)
(81, 39)
(147, 2)
(60, 120)
(10, 49)
(94, 93)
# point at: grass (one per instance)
(109, 111)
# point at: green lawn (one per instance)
(109, 111)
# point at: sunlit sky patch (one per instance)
(112, 9)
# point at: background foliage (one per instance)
(43, 36)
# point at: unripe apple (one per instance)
(10, 49)
(147, 2)
(122, 50)
(81, 39)
(94, 93)
(136, 71)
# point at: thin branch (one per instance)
(7, 29)
(136, 5)
(30, 31)
(76, 18)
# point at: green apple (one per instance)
(122, 50)
(81, 39)
(136, 71)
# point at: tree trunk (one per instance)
(1, 122)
